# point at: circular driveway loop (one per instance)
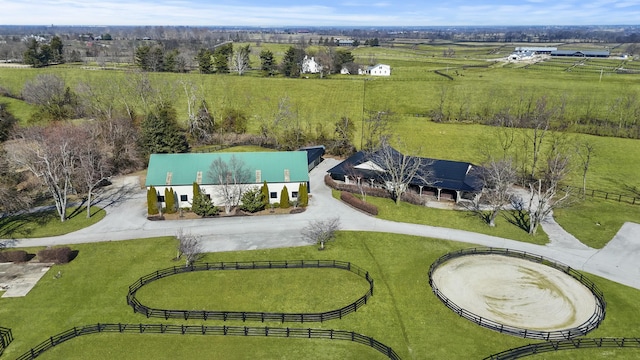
(515, 292)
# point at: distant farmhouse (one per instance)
(453, 180)
(310, 65)
(277, 168)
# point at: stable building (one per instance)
(180, 171)
(444, 179)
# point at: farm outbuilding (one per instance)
(180, 171)
(447, 179)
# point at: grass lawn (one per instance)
(403, 313)
(47, 223)
(507, 225)
(596, 221)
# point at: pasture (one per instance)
(403, 313)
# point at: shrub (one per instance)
(14, 256)
(369, 191)
(60, 255)
(170, 200)
(152, 201)
(203, 206)
(252, 200)
(265, 194)
(284, 198)
(350, 199)
(303, 195)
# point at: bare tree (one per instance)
(400, 170)
(497, 177)
(375, 128)
(190, 246)
(93, 166)
(546, 194)
(585, 151)
(321, 231)
(240, 59)
(200, 124)
(11, 199)
(230, 178)
(539, 120)
(50, 154)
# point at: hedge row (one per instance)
(409, 197)
(350, 199)
(60, 255)
(14, 256)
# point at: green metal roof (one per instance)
(183, 169)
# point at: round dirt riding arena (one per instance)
(516, 292)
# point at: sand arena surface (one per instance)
(515, 292)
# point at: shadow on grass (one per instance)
(518, 218)
(23, 224)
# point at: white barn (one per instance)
(379, 70)
(180, 171)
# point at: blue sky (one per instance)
(319, 12)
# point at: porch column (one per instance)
(458, 196)
(438, 196)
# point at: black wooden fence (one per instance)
(5, 338)
(209, 330)
(600, 194)
(592, 323)
(248, 315)
(570, 344)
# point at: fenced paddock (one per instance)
(309, 333)
(590, 324)
(249, 315)
(5, 338)
(570, 344)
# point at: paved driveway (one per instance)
(126, 219)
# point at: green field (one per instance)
(47, 223)
(403, 313)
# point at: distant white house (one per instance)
(379, 70)
(310, 66)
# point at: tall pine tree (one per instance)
(161, 134)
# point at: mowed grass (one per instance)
(509, 224)
(403, 313)
(47, 223)
(294, 290)
(596, 221)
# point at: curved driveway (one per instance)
(126, 219)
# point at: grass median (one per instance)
(47, 223)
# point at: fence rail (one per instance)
(309, 333)
(571, 344)
(6, 337)
(249, 315)
(592, 323)
(600, 194)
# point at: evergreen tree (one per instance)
(160, 132)
(303, 195)
(221, 56)
(152, 201)
(252, 200)
(170, 200)
(57, 54)
(201, 204)
(205, 65)
(292, 62)
(265, 193)
(267, 62)
(284, 198)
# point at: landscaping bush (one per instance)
(60, 255)
(152, 201)
(252, 200)
(284, 198)
(370, 191)
(350, 199)
(14, 256)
